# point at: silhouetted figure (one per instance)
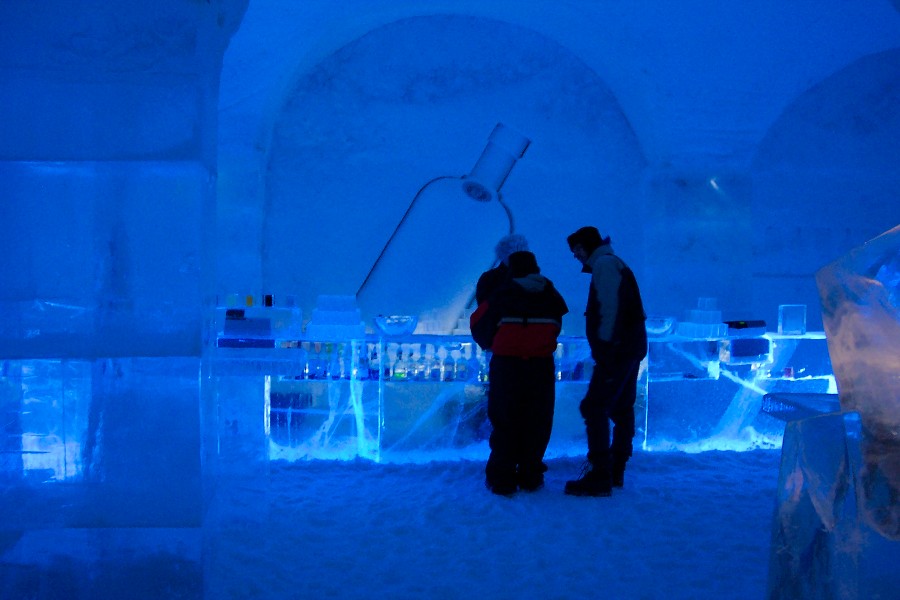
(616, 331)
(519, 323)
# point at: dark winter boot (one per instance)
(618, 472)
(501, 487)
(531, 478)
(500, 477)
(595, 481)
(531, 482)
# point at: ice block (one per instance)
(860, 294)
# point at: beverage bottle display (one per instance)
(324, 368)
(336, 367)
(559, 362)
(483, 367)
(468, 210)
(448, 370)
(474, 362)
(435, 367)
(374, 364)
(307, 360)
(315, 361)
(362, 369)
(400, 371)
(460, 365)
(302, 361)
(421, 365)
(387, 365)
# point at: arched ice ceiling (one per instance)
(686, 81)
(836, 189)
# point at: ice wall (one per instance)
(723, 166)
(112, 263)
(380, 134)
(107, 158)
(108, 168)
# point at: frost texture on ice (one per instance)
(823, 544)
(836, 531)
(860, 295)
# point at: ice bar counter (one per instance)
(404, 397)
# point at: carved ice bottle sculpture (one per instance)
(446, 239)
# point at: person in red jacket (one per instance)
(519, 323)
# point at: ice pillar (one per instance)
(107, 165)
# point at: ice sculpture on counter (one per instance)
(335, 318)
(466, 212)
(836, 531)
(705, 321)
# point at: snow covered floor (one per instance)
(685, 526)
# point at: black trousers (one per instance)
(611, 395)
(521, 400)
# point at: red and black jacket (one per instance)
(521, 318)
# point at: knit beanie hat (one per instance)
(508, 244)
(522, 264)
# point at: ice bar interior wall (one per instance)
(718, 170)
(156, 155)
(148, 167)
(108, 171)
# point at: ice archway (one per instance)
(698, 106)
(814, 200)
(367, 126)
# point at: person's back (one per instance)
(519, 323)
(528, 310)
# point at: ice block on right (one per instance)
(836, 531)
(860, 295)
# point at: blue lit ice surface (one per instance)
(50, 444)
(835, 528)
(708, 394)
(326, 420)
(693, 399)
(695, 395)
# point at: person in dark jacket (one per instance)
(616, 332)
(520, 323)
(492, 278)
